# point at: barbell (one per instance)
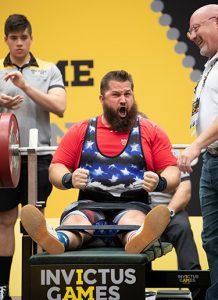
(10, 150)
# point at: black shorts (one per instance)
(110, 215)
(10, 198)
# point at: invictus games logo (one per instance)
(90, 284)
(188, 279)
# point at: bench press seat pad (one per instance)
(102, 255)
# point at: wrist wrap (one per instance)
(67, 181)
(162, 184)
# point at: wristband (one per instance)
(162, 184)
(67, 181)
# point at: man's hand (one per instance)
(151, 181)
(80, 178)
(187, 156)
(16, 78)
(11, 102)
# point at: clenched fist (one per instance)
(151, 181)
(80, 178)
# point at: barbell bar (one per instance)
(17, 150)
(10, 150)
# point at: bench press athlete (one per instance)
(116, 157)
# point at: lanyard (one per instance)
(196, 102)
(205, 78)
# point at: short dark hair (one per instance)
(17, 22)
(120, 75)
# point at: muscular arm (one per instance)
(57, 171)
(181, 197)
(171, 174)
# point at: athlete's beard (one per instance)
(116, 122)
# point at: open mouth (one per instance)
(123, 112)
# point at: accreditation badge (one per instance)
(195, 116)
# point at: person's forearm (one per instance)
(56, 172)
(181, 196)
(172, 175)
(54, 101)
(208, 136)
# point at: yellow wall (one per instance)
(119, 34)
(124, 34)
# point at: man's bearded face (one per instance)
(122, 119)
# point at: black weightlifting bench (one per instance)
(89, 273)
(99, 273)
